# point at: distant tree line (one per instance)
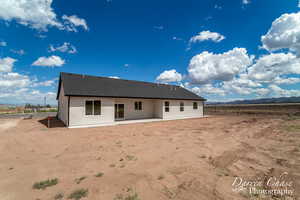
(31, 106)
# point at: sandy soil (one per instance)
(8, 123)
(182, 159)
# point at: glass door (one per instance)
(119, 111)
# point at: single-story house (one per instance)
(85, 101)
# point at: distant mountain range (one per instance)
(262, 101)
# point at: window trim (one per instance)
(85, 107)
(195, 107)
(167, 107)
(181, 106)
(93, 108)
(138, 105)
(99, 108)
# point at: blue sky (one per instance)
(222, 50)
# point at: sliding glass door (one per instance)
(119, 111)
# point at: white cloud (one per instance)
(115, 77)
(169, 76)
(158, 27)
(6, 64)
(26, 95)
(286, 81)
(206, 67)
(208, 18)
(243, 80)
(47, 83)
(262, 92)
(208, 89)
(240, 85)
(126, 65)
(246, 1)
(52, 61)
(176, 38)
(236, 87)
(72, 22)
(3, 44)
(37, 14)
(283, 34)
(13, 80)
(207, 35)
(41, 36)
(268, 67)
(19, 52)
(18, 88)
(237, 73)
(218, 7)
(261, 78)
(65, 47)
(279, 92)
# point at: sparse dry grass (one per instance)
(99, 174)
(78, 180)
(78, 194)
(44, 184)
(292, 128)
(182, 159)
(59, 196)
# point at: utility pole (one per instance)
(45, 98)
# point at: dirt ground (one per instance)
(189, 159)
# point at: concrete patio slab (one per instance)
(135, 121)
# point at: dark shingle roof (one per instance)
(83, 85)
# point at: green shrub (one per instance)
(45, 184)
(78, 194)
(100, 174)
(78, 180)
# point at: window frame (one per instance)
(85, 107)
(138, 105)
(93, 108)
(181, 106)
(195, 107)
(99, 107)
(167, 107)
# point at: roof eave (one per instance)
(130, 97)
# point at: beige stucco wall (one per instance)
(78, 117)
(77, 112)
(150, 109)
(63, 106)
(158, 109)
(130, 112)
(188, 112)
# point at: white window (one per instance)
(181, 106)
(93, 107)
(167, 106)
(195, 105)
(138, 105)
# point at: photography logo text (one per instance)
(273, 186)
